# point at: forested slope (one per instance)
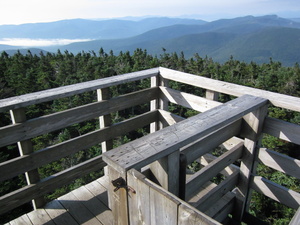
(20, 74)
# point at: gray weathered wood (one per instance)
(282, 129)
(94, 205)
(40, 216)
(252, 131)
(207, 143)
(138, 203)
(191, 216)
(59, 214)
(66, 91)
(212, 95)
(22, 220)
(55, 152)
(209, 198)
(78, 210)
(188, 100)
(280, 162)
(211, 170)
(147, 149)
(280, 100)
(25, 148)
(25, 194)
(296, 218)
(117, 199)
(105, 120)
(276, 192)
(45, 124)
(218, 208)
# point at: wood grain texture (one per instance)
(149, 148)
(276, 192)
(282, 129)
(45, 124)
(42, 157)
(66, 91)
(280, 100)
(280, 162)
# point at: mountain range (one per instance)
(246, 38)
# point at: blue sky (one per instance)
(30, 11)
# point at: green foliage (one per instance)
(20, 74)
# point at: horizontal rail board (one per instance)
(39, 158)
(282, 129)
(280, 162)
(208, 196)
(207, 143)
(280, 100)
(188, 100)
(276, 192)
(154, 146)
(45, 124)
(27, 193)
(212, 169)
(66, 91)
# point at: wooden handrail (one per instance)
(66, 91)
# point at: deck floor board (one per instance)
(85, 205)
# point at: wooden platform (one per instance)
(85, 205)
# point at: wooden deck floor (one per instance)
(85, 205)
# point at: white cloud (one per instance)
(26, 42)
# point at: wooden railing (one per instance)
(249, 124)
(22, 130)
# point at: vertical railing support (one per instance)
(212, 95)
(25, 147)
(165, 170)
(105, 121)
(252, 132)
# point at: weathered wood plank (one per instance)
(39, 217)
(138, 203)
(118, 200)
(78, 210)
(59, 214)
(168, 118)
(191, 216)
(218, 208)
(45, 124)
(147, 149)
(280, 162)
(252, 132)
(25, 194)
(99, 191)
(188, 100)
(284, 130)
(25, 148)
(276, 192)
(55, 152)
(94, 205)
(206, 198)
(211, 170)
(167, 211)
(296, 218)
(22, 220)
(280, 100)
(66, 91)
(207, 143)
(105, 120)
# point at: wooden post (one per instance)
(252, 131)
(105, 121)
(212, 95)
(165, 170)
(25, 148)
(117, 198)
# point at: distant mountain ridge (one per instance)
(246, 38)
(92, 29)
